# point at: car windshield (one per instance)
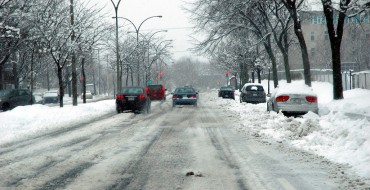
(4, 92)
(132, 90)
(254, 88)
(155, 87)
(184, 90)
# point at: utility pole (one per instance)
(119, 78)
(74, 73)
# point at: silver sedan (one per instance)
(293, 99)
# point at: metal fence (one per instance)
(350, 79)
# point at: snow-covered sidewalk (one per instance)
(333, 133)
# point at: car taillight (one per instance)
(311, 98)
(162, 89)
(282, 98)
(120, 96)
(193, 96)
(141, 96)
(175, 96)
(146, 89)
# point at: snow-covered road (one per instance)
(171, 148)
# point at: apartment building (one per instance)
(355, 49)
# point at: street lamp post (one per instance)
(137, 29)
(119, 79)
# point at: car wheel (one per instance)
(173, 104)
(195, 104)
(6, 107)
(241, 99)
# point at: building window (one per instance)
(315, 20)
(323, 20)
(312, 36)
(312, 52)
(326, 35)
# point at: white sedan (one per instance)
(293, 99)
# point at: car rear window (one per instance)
(254, 88)
(227, 88)
(184, 90)
(155, 87)
(132, 90)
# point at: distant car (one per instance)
(156, 92)
(50, 97)
(252, 93)
(185, 96)
(133, 99)
(293, 99)
(226, 92)
(10, 99)
(88, 95)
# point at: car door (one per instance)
(13, 98)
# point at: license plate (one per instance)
(226, 95)
(130, 98)
(255, 95)
(185, 97)
(296, 100)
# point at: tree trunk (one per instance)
(335, 43)
(286, 58)
(273, 62)
(74, 73)
(1, 77)
(61, 88)
(292, 8)
(84, 80)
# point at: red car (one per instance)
(156, 92)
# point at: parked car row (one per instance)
(290, 99)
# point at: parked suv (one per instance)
(156, 92)
(252, 93)
(15, 97)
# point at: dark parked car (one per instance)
(185, 96)
(252, 93)
(156, 92)
(15, 97)
(134, 99)
(226, 92)
(50, 97)
(293, 99)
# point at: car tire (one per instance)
(195, 104)
(173, 104)
(6, 107)
(241, 99)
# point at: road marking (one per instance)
(285, 183)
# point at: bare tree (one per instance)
(293, 7)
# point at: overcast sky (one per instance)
(174, 19)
